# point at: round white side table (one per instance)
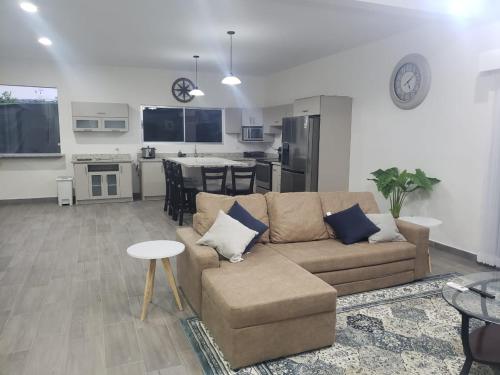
(152, 250)
(428, 222)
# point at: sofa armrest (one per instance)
(191, 263)
(419, 236)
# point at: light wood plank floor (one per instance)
(70, 297)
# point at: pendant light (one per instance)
(231, 79)
(196, 91)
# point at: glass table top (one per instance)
(471, 303)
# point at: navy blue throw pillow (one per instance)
(237, 212)
(351, 225)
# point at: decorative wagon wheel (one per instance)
(181, 88)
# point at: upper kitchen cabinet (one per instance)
(251, 117)
(233, 120)
(238, 117)
(307, 106)
(100, 116)
(273, 117)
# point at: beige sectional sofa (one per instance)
(281, 299)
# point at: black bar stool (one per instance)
(167, 168)
(183, 194)
(247, 174)
(214, 179)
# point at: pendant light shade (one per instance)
(231, 79)
(196, 91)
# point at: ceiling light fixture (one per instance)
(28, 7)
(196, 91)
(231, 79)
(45, 41)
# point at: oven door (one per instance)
(263, 175)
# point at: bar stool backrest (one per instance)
(214, 174)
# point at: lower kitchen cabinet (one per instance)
(152, 179)
(103, 182)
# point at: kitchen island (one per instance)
(206, 161)
(153, 175)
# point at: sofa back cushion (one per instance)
(295, 217)
(341, 200)
(208, 206)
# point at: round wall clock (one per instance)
(410, 81)
(181, 88)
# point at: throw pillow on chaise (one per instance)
(228, 236)
(237, 212)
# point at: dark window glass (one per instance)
(163, 125)
(29, 120)
(203, 125)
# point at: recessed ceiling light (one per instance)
(45, 41)
(28, 7)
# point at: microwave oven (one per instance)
(252, 133)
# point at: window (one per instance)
(29, 120)
(161, 124)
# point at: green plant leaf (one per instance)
(395, 185)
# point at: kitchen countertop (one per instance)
(229, 156)
(100, 158)
(204, 161)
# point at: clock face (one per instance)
(407, 82)
(181, 88)
(410, 81)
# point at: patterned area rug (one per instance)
(407, 329)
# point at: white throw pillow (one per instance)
(228, 236)
(388, 230)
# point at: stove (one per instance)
(264, 174)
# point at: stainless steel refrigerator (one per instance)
(300, 152)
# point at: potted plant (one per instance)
(395, 185)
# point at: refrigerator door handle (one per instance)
(285, 153)
(291, 170)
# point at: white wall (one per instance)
(35, 178)
(447, 135)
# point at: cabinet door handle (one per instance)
(120, 169)
(305, 110)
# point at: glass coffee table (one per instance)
(481, 344)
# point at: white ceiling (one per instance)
(271, 35)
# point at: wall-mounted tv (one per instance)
(29, 120)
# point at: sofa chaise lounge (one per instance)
(281, 299)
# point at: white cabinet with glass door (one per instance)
(99, 117)
(104, 181)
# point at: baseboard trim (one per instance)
(453, 250)
(28, 200)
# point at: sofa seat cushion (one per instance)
(208, 206)
(265, 288)
(332, 255)
(295, 217)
